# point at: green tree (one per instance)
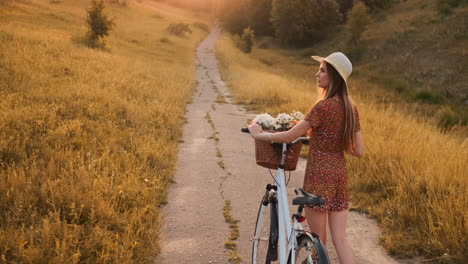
(259, 17)
(358, 20)
(344, 6)
(302, 22)
(234, 16)
(99, 25)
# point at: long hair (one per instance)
(337, 86)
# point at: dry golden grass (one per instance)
(412, 177)
(409, 50)
(88, 138)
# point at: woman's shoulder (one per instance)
(328, 102)
(318, 106)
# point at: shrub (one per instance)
(375, 5)
(358, 19)
(99, 24)
(445, 6)
(164, 40)
(247, 39)
(447, 117)
(202, 26)
(427, 97)
(395, 85)
(179, 29)
(5, 2)
(355, 52)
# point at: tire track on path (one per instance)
(194, 228)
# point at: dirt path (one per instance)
(216, 164)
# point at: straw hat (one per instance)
(340, 62)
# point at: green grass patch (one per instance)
(221, 99)
(395, 85)
(231, 241)
(221, 164)
(218, 153)
(210, 121)
(429, 98)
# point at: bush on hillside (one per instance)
(99, 25)
(447, 117)
(301, 22)
(358, 20)
(378, 4)
(445, 6)
(355, 52)
(429, 98)
(165, 40)
(5, 2)
(246, 40)
(179, 29)
(202, 26)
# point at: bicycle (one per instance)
(273, 223)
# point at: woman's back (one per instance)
(327, 119)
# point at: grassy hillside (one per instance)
(417, 43)
(409, 54)
(88, 137)
(420, 54)
(412, 177)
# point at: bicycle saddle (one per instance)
(307, 198)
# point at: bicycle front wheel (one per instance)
(265, 242)
(310, 250)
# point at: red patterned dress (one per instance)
(326, 173)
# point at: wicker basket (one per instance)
(268, 155)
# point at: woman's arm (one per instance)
(280, 137)
(357, 149)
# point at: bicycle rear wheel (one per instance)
(265, 242)
(310, 250)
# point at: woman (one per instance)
(334, 121)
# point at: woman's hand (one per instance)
(358, 148)
(255, 129)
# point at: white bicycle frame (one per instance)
(286, 243)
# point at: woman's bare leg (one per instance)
(317, 223)
(337, 222)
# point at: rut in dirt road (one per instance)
(215, 167)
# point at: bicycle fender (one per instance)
(322, 252)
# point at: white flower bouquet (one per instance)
(266, 121)
(282, 122)
(268, 154)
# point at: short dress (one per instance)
(326, 173)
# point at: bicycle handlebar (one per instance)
(305, 140)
